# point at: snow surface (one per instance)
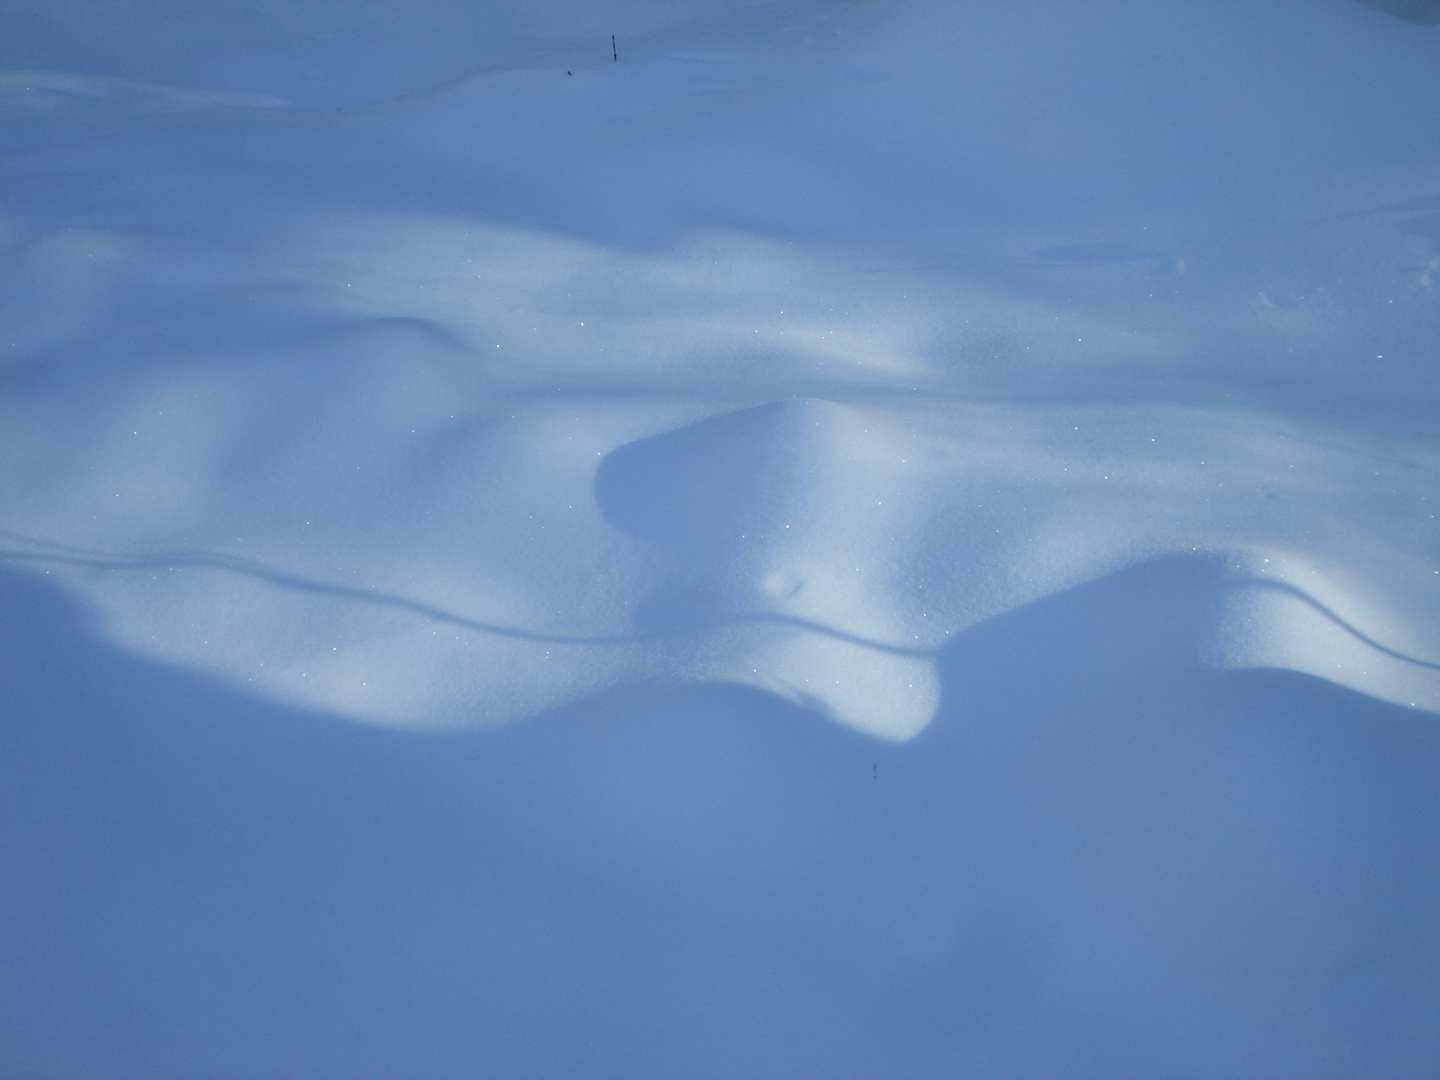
(856, 539)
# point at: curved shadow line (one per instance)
(270, 575)
(73, 556)
(259, 571)
(1310, 601)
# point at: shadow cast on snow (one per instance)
(1100, 856)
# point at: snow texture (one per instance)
(842, 538)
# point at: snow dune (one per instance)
(856, 539)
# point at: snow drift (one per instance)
(839, 538)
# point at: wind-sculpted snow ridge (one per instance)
(799, 464)
(567, 469)
(932, 505)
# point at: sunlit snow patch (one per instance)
(460, 475)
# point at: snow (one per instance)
(858, 539)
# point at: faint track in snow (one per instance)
(50, 552)
(98, 560)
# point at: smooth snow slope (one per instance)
(856, 539)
